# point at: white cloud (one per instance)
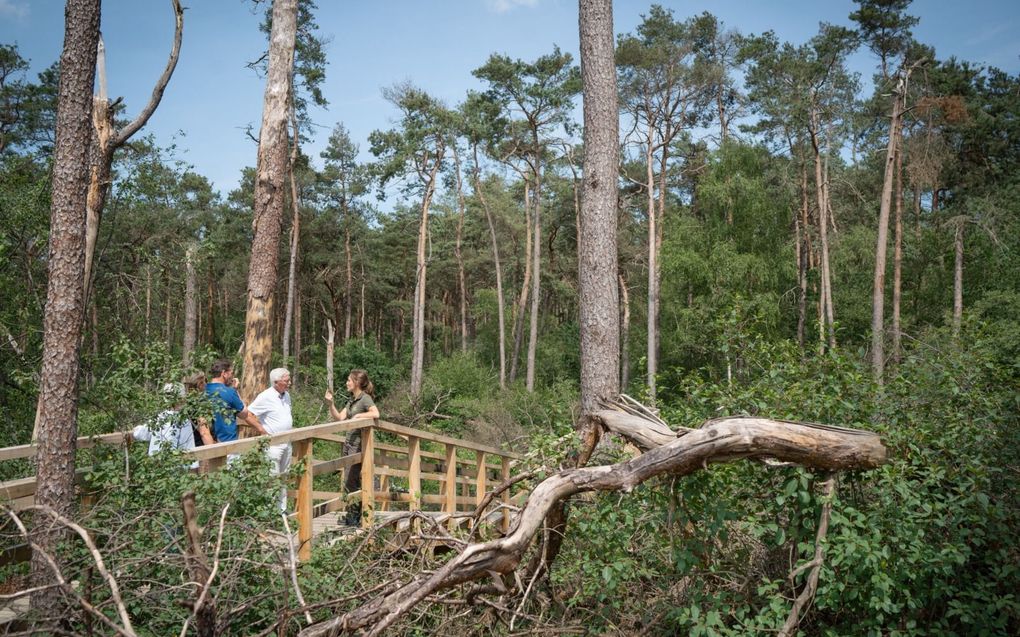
(499, 6)
(13, 9)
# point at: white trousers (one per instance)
(279, 458)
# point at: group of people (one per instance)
(182, 427)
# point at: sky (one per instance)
(213, 97)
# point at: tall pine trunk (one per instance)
(500, 305)
(897, 257)
(652, 353)
(63, 319)
(536, 268)
(418, 315)
(295, 233)
(270, 172)
(461, 279)
(522, 301)
(599, 306)
(882, 241)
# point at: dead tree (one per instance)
(667, 453)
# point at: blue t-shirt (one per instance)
(226, 405)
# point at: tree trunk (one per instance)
(897, 256)
(536, 268)
(958, 278)
(296, 363)
(461, 279)
(418, 323)
(522, 301)
(827, 315)
(599, 305)
(652, 354)
(818, 447)
(190, 305)
(295, 234)
(500, 309)
(881, 246)
(624, 334)
(348, 272)
(270, 172)
(65, 304)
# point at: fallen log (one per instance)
(813, 446)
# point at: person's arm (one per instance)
(204, 433)
(371, 412)
(253, 422)
(333, 412)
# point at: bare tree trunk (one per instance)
(597, 252)
(652, 354)
(536, 279)
(361, 304)
(803, 254)
(500, 305)
(826, 283)
(418, 323)
(270, 172)
(624, 334)
(958, 278)
(296, 363)
(881, 246)
(190, 305)
(897, 257)
(295, 233)
(461, 279)
(522, 301)
(57, 415)
(348, 273)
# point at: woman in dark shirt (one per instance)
(360, 406)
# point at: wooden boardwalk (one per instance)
(402, 469)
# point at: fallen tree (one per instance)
(666, 453)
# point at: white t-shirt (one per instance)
(167, 431)
(273, 411)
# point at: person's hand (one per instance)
(235, 383)
(328, 396)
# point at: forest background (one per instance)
(755, 176)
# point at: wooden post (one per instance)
(480, 481)
(414, 474)
(505, 475)
(367, 476)
(450, 489)
(303, 453)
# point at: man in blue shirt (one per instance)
(227, 404)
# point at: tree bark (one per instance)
(669, 453)
(500, 309)
(897, 255)
(65, 292)
(599, 306)
(295, 231)
(536, 267)
(881, 246)
(461, 279)
(624, 334)
(190, 305)
(652, 353)
(418, 322)
(270, 172)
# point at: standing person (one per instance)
(168, 430)
(227, 404)
(360, 406)
(272, 407)
(196, 410)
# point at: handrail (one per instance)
(450, 477)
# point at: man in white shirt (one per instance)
(272, 408)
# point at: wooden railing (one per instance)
(414, 470)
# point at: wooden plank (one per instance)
(303, 454)
(367, 476)
(320, 467)
(446, 440)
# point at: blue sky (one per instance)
(435, 44)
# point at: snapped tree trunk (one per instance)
(57, 415)
(270, 172)
(669, 453)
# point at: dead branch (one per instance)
(198, 569)
(292, 567)
(212, 572)
(722, 440)
(806, 595)
(133, 127)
